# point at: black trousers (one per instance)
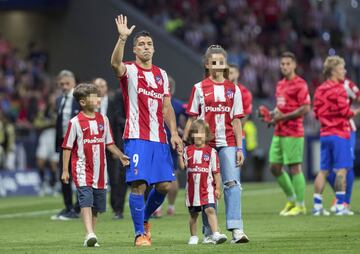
(118, 186)
(66, 189)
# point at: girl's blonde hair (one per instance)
(195, 126)
(330, 64)
(215, 49)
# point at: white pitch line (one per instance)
(27, 214)
(44, 212)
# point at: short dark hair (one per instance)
(288, 54)
(84, 90)
(195, 126)
(141, 34)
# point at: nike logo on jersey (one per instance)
(85, 129)
(207, 94)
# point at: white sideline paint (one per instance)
(45, 212)
(28, 214)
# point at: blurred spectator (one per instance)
(256, 31)
(66, 108)
(112, 106)
(44, 123)
(7, 143)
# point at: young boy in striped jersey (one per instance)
(87, 136)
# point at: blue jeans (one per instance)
(230, 175)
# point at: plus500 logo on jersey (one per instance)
(94, 141)
(150, 93)
(220, 109)
(198, 169)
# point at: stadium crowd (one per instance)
(27, 92)
(245, 28)
(27, 96)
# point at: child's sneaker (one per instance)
(218, 238)
(239, 236)
(90, 240)
(208, 239)
(193, 240)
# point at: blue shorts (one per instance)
(90, 197)
(335, 153)
(353, 143)
(149, 161)
(174, 157)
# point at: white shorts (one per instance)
(46, 146)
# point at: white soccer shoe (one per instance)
(239, 236)
(319, 212)
(218, 238)
(193, 240)
(333, 208)
(347, 211)
(91, 241)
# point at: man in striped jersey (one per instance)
(147, 102)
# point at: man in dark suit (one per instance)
(67, 108)
(113, 107)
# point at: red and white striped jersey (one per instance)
(218, 104)
(201, 164)
(353, 93)
(144, 91)
(87, 138)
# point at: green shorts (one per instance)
(286, 150)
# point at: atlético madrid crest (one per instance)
(206, 157)
(101, 127)
(158, 80)
(136, 171)
(230, 93)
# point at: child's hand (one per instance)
(179, 152)
(65, 176)
(125, 161)
(217, 193)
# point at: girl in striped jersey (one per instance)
(203, 180)
(219, 102)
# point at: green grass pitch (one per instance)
(25, 227)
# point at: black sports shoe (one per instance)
(118, 216)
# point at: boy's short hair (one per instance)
(84, 90)
(141, 34)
